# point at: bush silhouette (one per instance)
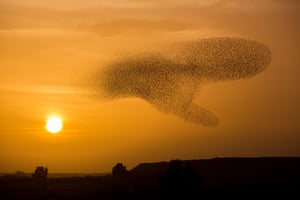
(119, 170)
(19, 173)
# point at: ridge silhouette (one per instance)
(244, 178)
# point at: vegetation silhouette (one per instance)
(119, 170)
(19, 173)
(40, 177)
(179, 180)
(40, 174)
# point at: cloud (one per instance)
(170, 81)
(130, 26)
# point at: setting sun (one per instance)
(54, 124)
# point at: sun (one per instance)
(54, 124)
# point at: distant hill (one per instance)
(233, 178)
(234, 172)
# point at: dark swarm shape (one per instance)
(119, 170)
(171, 81)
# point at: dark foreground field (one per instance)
(243, 178)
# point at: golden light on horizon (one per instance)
(54, 124)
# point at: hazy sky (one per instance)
(50, 49)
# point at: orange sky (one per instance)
(49, 49)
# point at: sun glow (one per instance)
(54, 124)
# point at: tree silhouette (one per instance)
(40, 176)
(179, 180)
(119, 170)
